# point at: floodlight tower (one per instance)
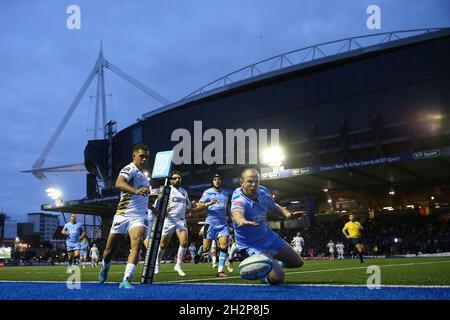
(98, 70)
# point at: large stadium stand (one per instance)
(357, 123)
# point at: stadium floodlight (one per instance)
(53, 193)
(436, 116)
(432, 198)
(273, 156)
(329, 201)
(325, 190)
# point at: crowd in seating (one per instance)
(384, 234)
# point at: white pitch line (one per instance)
(287, 273)
(50, 281)
(252, 284)
(313, 271)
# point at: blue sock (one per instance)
(222, 259)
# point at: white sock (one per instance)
(214, 258)
(222, 258)
(180, 255)
(232, 251)
(160, 255)
(106, 265)
(129, 272)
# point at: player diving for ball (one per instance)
(249, 206)
(131, 215)
(215, 200)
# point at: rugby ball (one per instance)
(255, 267)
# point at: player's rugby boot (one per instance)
(180, 271)
(103, 275)
(125, 284)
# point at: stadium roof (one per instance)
(305, 58)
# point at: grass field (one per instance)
(407, 272)
(401, 279)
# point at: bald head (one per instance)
(250, 182)
(249, 171)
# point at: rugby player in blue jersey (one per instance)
(84, 250)
(216, 227)
(249, 206)
(74, 231)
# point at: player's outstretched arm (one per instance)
(285, 212)
(239, 219)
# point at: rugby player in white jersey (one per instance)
(330, 246)
(175, 222)
(249, 206)
(93, 254)
(131, 215)
(298, 243)
(340, 250)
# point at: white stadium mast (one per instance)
(98, 70)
